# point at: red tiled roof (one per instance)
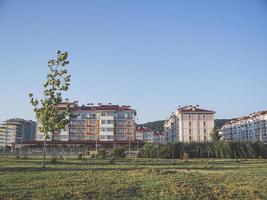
(108, 107)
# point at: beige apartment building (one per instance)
(189, 124)
(99, 122)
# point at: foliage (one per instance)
(119, 152)
(218, 123)
(149, 151)
(50, 118)
(155, 126)
(215, 136)
(214, 149)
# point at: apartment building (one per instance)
(148, 136)
(16, 131)
(97, 122)
(189, 124)
(247, 128)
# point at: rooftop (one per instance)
(246, 118)
(99, 106)
(193, 109)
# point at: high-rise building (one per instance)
(96, 122)
(189, 124)
(248, 128)
(16, 131)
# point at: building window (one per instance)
(189, 124)
(109, 121)
(204, 123)
(204, 116)
(189, 116)
(190, 138)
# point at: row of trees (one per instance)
(241, 150)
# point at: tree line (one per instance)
(217, 148)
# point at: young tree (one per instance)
(215, 136)
(218, 146)
(49, 117)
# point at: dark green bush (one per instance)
(119, 152)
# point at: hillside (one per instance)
(158, 125)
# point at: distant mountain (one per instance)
(158, 125)
(155, 126)
(220, 122)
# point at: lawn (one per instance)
(128, 179)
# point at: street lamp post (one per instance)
(129, 133)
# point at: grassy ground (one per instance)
(147, 179)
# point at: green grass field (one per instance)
(147, 179)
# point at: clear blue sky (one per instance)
(153, 55)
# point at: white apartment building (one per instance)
(16, 131)
(189, 124)
(248, 128)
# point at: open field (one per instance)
(145, 179)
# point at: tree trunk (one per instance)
(44, 151)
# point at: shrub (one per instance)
(92, 155)
(119, 152)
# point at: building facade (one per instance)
(147, 135)
(97, 122)
(189, 124)
(248, 128)
(16, 131)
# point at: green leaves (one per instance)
(48, 115)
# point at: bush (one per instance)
(119, 152)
